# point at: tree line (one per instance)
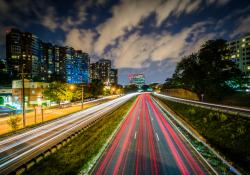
(207, 72)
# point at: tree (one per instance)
(58, 92)
(13, 122)
(96, 88)
(206, 72)
(130, 88)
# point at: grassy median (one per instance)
(227, 133)
(74, 156)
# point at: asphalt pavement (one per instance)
(147, 143)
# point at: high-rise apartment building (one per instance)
(22, 49)
(240, 54)
(44, 61)
(77, 66)
(114, 76)
(104, 70)
(94, 71)
(101, 70)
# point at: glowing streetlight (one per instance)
(71, 87)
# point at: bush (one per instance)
(13, 122)
(192, 111)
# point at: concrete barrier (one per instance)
(20, 171)
(38, 159)
(30, 164)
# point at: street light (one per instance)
(71, 87)
(23, 94)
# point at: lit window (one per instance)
(233, 56)
(243, 45)
(243, 40)
(248, 67)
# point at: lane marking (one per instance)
(152, 118)
(157, 136)
(135, 134)
(138, 117)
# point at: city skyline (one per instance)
(96, 28)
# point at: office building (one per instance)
(137, 79)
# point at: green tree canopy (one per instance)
(58, 92)
(96, 87)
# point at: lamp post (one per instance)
(82, 94)
(23, 95)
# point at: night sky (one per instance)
(143, 36)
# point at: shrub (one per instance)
(192, 111)
(222, 117)
(13, 122)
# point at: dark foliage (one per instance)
(206, 72)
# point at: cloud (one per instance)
(129, 14)
(126, 15)
(218, 2)
(80, 39)
(138, 51)
(242, 26)
(3, 7)
(50, 20)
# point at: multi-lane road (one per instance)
(19, 149)
(146, 143)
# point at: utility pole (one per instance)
(82, 93)
(23, 95)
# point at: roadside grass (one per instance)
(229, 134)
(71, 158)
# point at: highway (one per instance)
(20, 149)
(146, 143)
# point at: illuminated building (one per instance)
(22, 48)
(44, 61)
(240, 54)
(137, 79)
(33, 93)
(104, 70)
(101, 70)
(113, 76)
(77, 66)
(94, 71)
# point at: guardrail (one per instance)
(216, 107)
